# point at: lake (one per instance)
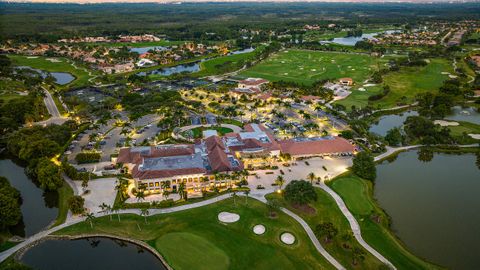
(387, 122)
(92, 254)
(61, 78)
(246, 50)
(351, 41)
(189, 68)
(468, 114)
(39, 208)
(434, 206)
(141, 50)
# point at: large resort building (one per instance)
(197, 165)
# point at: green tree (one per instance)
(357, 255)
(326, 230)
(300, 192)
(311, 177)
(364, 166)
(144, 212)
(89, 217)
(48, 174)
(76, 205)
(394, 137)
(280, 181)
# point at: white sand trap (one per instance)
(369, 84)
(361, 89)
(259, 229)
(32, 57)
(53, 60)
(313, 69)
(475, 136)
(283, 62)
(445, 73)
(285, 73)
(353, 69)
(228, 217)
(444, 123)
(286, 51)
(287, 238)
(452, 76)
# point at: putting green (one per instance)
(307, 67)
(182, 251)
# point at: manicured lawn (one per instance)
(214, 66)
(198, 131)
(64, 193)
(195, 239)
(404, 84)
(39, 62)
(307, 67)
(465, 127)
(357, 194)
(326, 210)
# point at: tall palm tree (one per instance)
(140, 195)
(246, 192)
(144, 212)
(181, 190)
(234, 196)
(280, 181)
(90, 218)
(117, 211)
(311, 176)
(165, 194)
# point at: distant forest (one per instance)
(48, 22)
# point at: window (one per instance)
(157, 184)
(150, 184)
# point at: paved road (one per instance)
(51, 107)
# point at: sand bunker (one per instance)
(369, 84)
(444, 123)
(228, 217)
(259, 229)
(287, 238)
(361, 89)
(475, 136)
(53, 60)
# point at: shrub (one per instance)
(300, 192)
(85, 157)
(75, 204)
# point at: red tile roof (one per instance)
(253, 81)
(152, 174)
(127, 156)
(299, 148)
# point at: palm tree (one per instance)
(165, 194)
(144, 212)
(280, 181)
(140, 195)
(246, 196)
(181, 190)
(117, 210)
(311, 176)
(234, 195)
(90, 217)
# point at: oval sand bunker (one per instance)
(228, 217)
(259, 229)
(287, 238)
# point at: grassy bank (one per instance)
(307, 67)
(326, 210)
(59, 65)
(358, 196)
(195, 239)
(64, 193)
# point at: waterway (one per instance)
(387, 122)
(351, 41)
(39, 208)
(434, 206)
(468, 114)
(92, 253)
(61, 78)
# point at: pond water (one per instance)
(39, 208)
(189, 68)
(387, 122)
(141, 50)
(434, 206)
(469, 114)
(91, 253)
(61, 78)
(351, 41)
(246, 50)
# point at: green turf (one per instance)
(200, 228)
(465, 128)
(357, 194)
(39, 62)
(211, 67)
(307, 67)
(404, 84)
(326, 210)
(198, 131)
(64, 193)
(173, 248)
